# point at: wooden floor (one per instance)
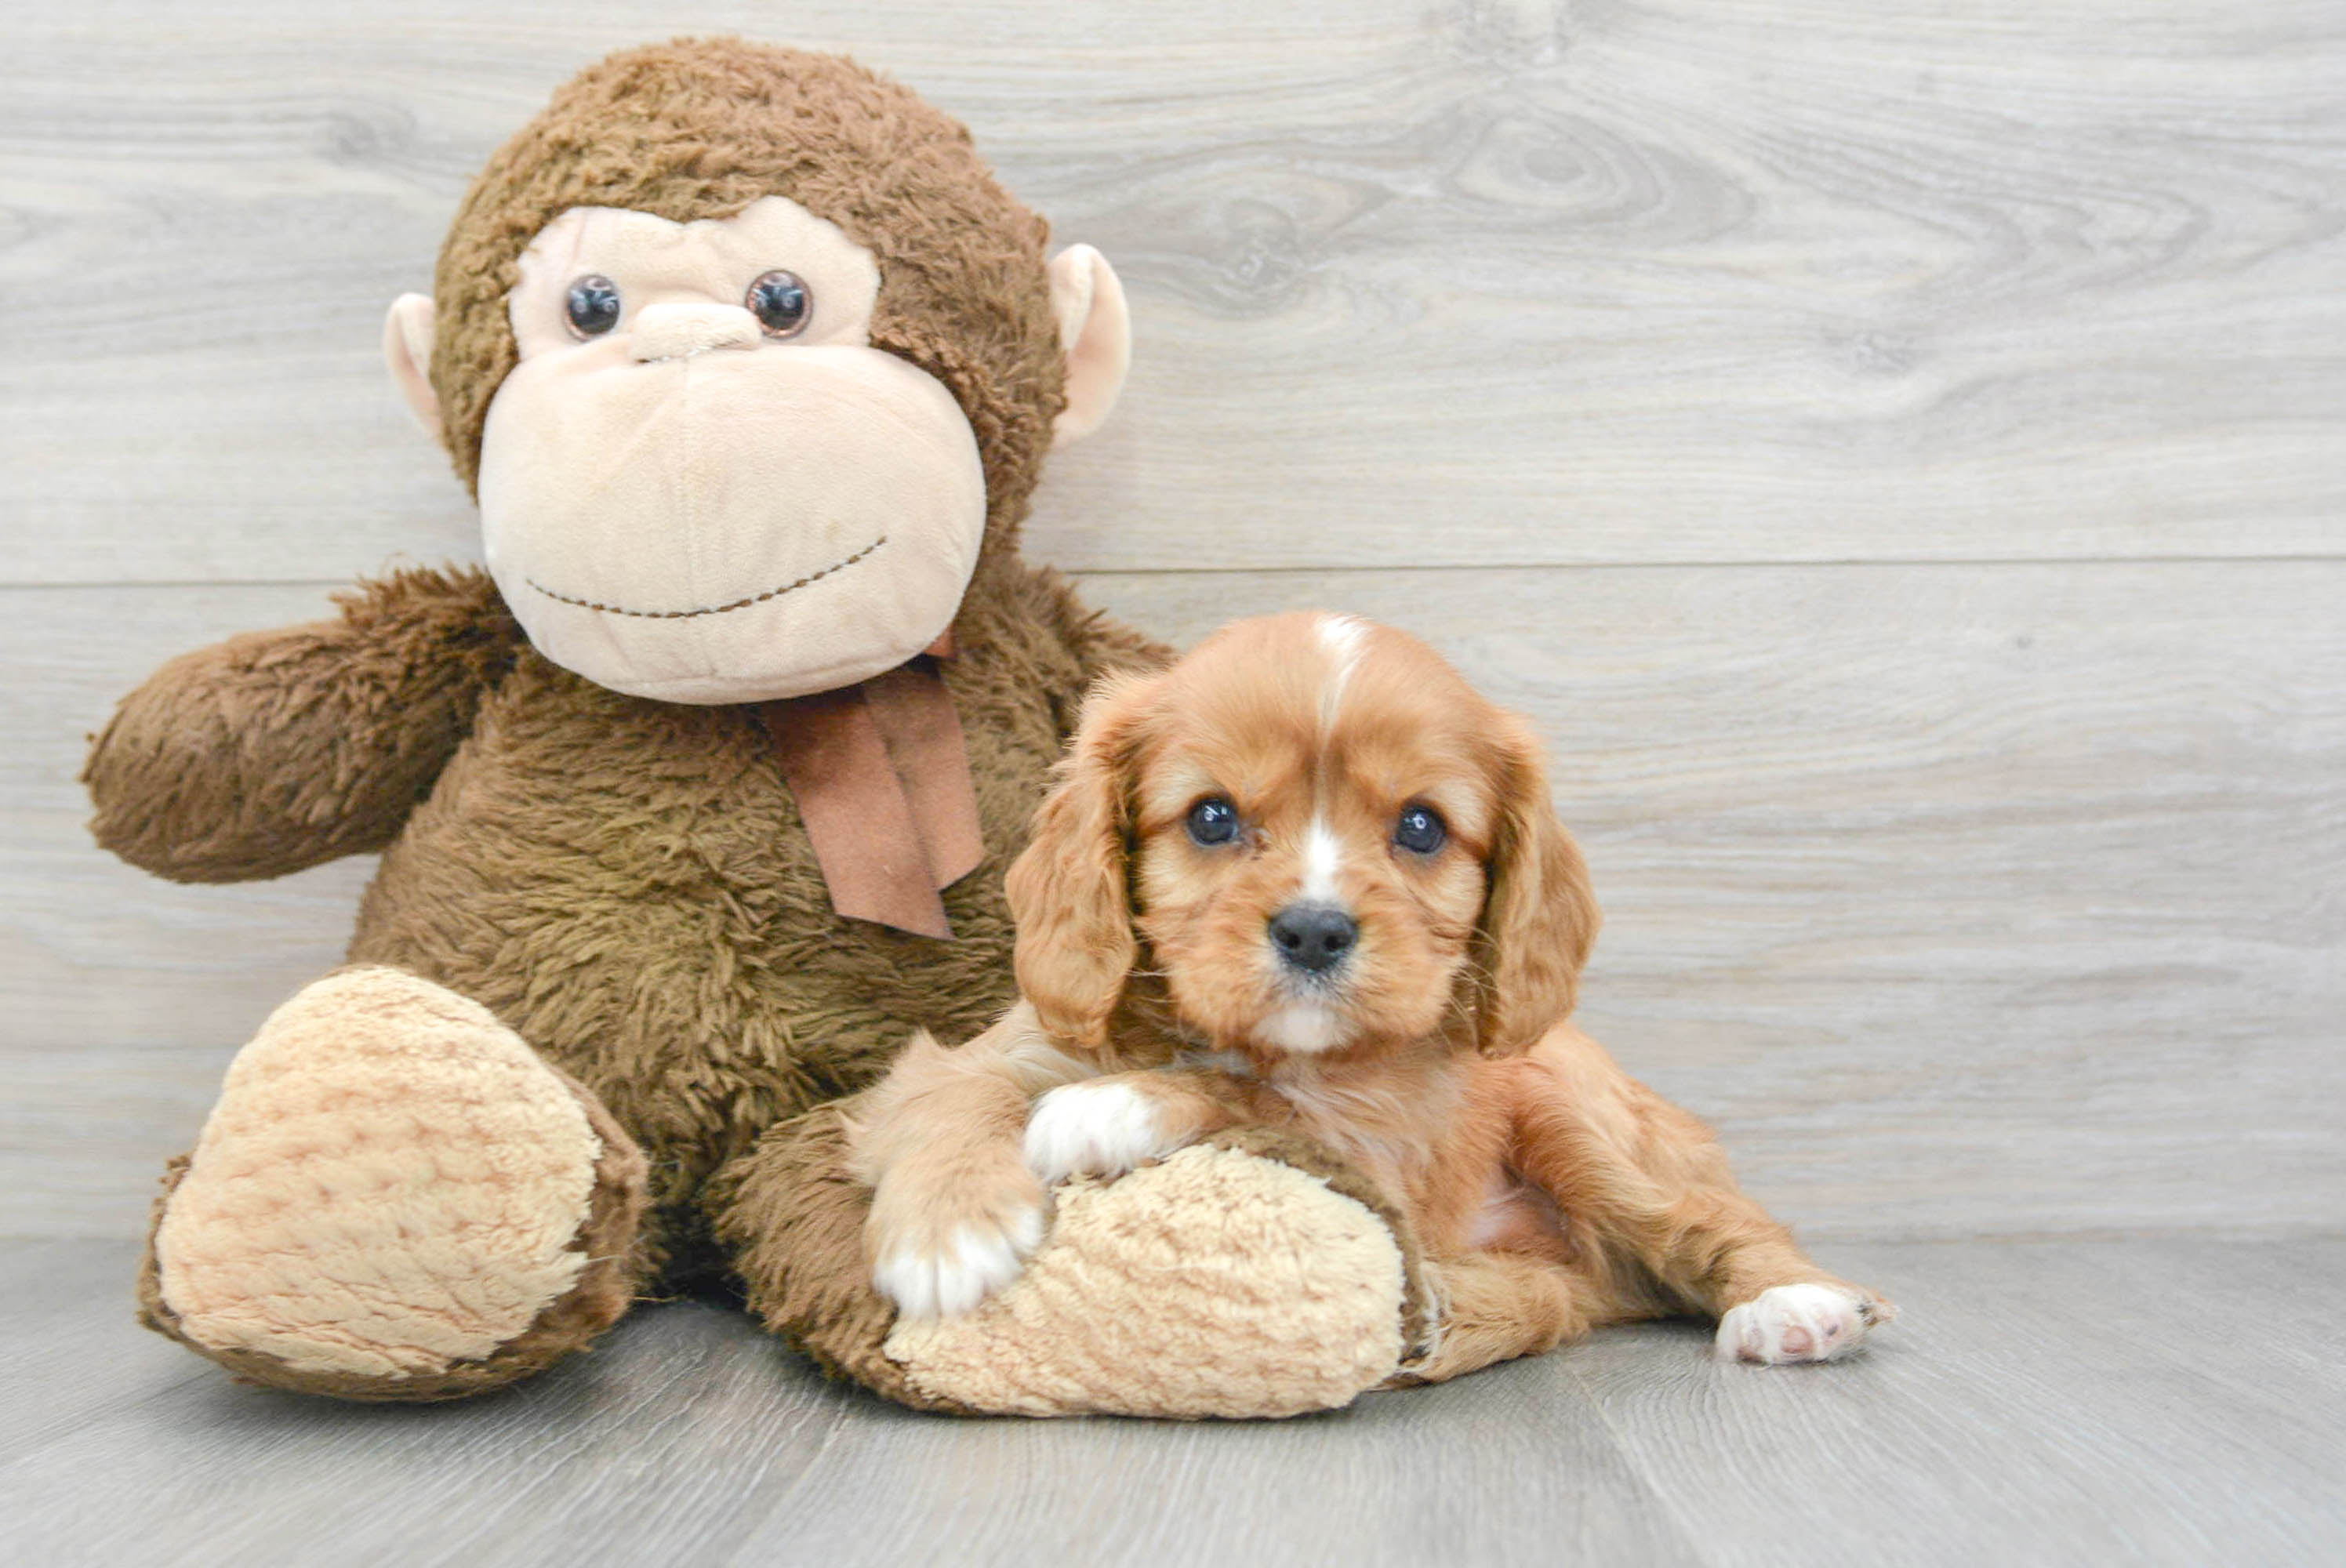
(2062, 1403)
(1890, 449)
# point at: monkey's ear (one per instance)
(1095, 334)
(407, 350)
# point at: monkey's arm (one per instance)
(282, 749)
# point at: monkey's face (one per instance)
(701, 483)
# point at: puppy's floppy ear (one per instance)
(1540, 915)
(1068, 891)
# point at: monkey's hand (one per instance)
(277, 751)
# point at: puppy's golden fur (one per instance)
(1316, 768)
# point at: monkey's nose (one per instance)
(673, 331)
(1313, 937)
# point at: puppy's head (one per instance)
(1324, 836)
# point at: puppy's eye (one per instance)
(1213, 820)
(1421, 829)
(593, 306)
(782, 304)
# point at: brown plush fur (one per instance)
(626, 882)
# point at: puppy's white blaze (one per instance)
(1323, 857)
(1096, 1128)
(1795, 1323)
(1303, 1027)
(1341, 637)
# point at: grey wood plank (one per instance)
(2079, 1400)
(1479, 285)
(2035, 1405)
(689, 1436)
(1965, 900)
(658, 1442)
(70, 1352)
(2231, 1289)
(1510, 1469)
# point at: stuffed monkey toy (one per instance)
(695, 804)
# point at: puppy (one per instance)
(1309, 878)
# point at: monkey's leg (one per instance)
(1251, 1274)
(394, 1198)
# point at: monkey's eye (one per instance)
(1213, 820)
(1421, 829)
(782, 304)
(593, 306)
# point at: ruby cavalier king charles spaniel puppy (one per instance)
(1309, 878)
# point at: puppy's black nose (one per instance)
(1313, 937)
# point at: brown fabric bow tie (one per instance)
(881, 777)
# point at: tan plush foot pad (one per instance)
(394, 1198)
(1215, 1284)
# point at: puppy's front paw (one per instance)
(949, 1276)
(1099, 1129)
(949, 1226)
(1798, 1323)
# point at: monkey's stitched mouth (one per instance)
(834, 567)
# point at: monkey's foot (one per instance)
(395, 1199)
(1246, 1275)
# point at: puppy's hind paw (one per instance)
(1798, 1323)
(973, 1262)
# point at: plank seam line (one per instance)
(1292, 569)
(1683, 564)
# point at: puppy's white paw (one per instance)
(1797, 1323)
(1101, 1128)
(975, 1262)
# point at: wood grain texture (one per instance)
(2046, 1404)
(1968, 896)
(1475, 283)
(2050, 1404)
(1980, 900)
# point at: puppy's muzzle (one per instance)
(1313, 937)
